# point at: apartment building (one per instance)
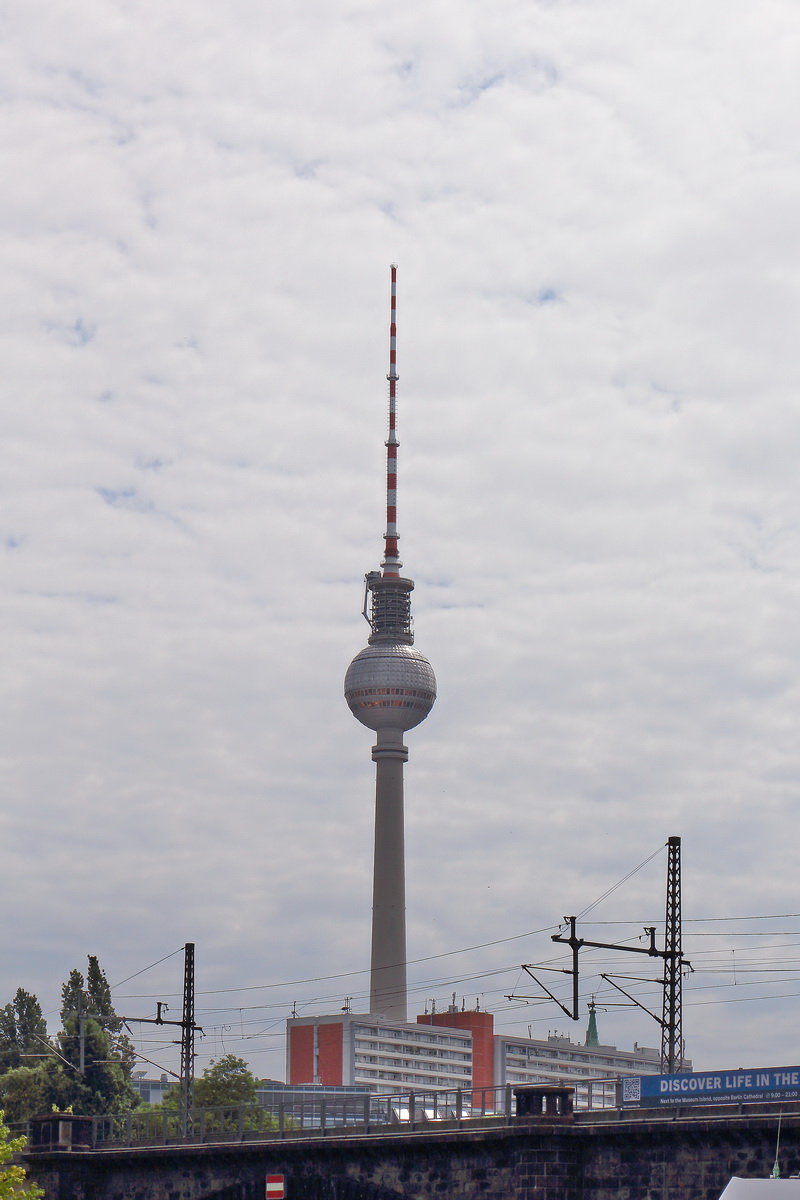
(377, 1054)
(453, 1049)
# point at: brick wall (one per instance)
(330, 1055)
(301, 1054)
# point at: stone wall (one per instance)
(664, 1157)
(683, 1160)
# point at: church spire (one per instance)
(592, 1036)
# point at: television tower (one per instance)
(390, 687)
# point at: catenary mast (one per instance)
(390, 687)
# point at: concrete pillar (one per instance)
(388, 961)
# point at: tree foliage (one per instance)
(12, 1177)
(104, 1085)
(23, 1030)
(74, 998)
(226, 1082)
(24, 1092)
(92, 999)
(95, 1081)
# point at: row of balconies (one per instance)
(410, 1035)
(413, 1064)
(545, 1058)
(426, 1051)
(412, 1079)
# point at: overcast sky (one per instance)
(595, 209)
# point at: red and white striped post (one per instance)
(391, 561)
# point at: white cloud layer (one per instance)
(595, 212)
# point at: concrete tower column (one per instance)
(388, 959)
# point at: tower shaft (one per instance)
(387, 986)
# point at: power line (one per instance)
(698, 920)
(480, 945)
(420, 987)
(618, 884)
(155, 964)
(255, 987)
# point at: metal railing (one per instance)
(350, 1114)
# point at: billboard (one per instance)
(749, 1086)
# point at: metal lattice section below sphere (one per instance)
(390, 685)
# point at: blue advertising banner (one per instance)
(712, 1087)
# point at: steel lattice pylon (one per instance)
(187, 1034)
(672, 1024)
(674, 966)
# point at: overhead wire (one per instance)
(158, 961)
(702, 920)
(255, 987)
(619, 883)
(419, 987)
(468, 949)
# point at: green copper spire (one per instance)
(592, 1038)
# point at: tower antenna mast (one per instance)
(391, 562)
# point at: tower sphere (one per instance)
(390, 685)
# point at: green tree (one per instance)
(88, 1018)
(23, 1030)
(29, 1086)
(56, 1082)
(104, 1086)
(98, 989)
(13, 1177)
(224, 1083)
(100, 1004)
(23, 1093)
(227, 1081)
(74, 997)
(29, 1092)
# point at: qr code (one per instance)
(632, 1089)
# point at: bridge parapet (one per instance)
(685, 1154)
(349, 1115)
(544, 1099)
(61, 1131)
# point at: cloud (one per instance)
(594, 212)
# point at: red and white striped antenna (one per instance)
(391, 562)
